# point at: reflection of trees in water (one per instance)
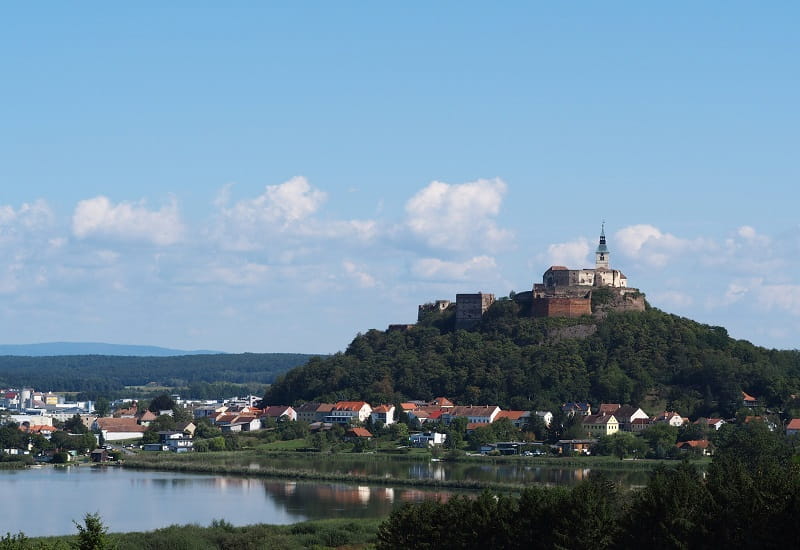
(326, 500)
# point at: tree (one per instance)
(92, 535)
(102, 407)
(75, 425)
(161, 403)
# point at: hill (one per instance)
(108, 375)
(522, 363)
(93, 348)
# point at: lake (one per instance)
(45, 501)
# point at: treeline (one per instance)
(749, 499)
(106, 374)
(523, 363)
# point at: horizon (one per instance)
(277, 179)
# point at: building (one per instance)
(566, 292)
(470, 309)
(383, 414)
(346, 412)
(598, 425)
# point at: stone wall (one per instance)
(561, 307)
(470, 309)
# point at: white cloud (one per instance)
(286, 210)
(458, 217)
(649, 244)
(572, 254)
(671, 298)
(436, 269)
(28, 219)
(129, 221)
(364, 279)
(784, 297)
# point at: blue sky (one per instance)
(279, 177)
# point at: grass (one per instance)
(321, 534)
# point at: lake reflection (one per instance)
(129, 500)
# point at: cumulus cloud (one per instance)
(782, 297)
(436, 269)
(652, 246)
(129, 221)
(570, 254)
(287, 209)
(458, 217)
(28, 219)
(358, 273)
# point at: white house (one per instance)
(384, 414)
(345, 412)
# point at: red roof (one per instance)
(383, 408)
(511, 415)
(794, 424)
(748, 398)
(350, 405)
(558, 268)
(359, 432)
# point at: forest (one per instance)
(107, 375)
(749, 498)
(523, 363)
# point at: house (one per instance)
(570, 409)
(597, 425)
(234, 422)
(145, 417)
(519, 419)
(477, 414)
(207, 411)
(426, 439)
(749, 401)
(626, 414)
(572, 446)
(700, 446)
(608, 408)
(177, 442)
(442, 402)
(670, 417)
(355, 434)
(99, 455)
(313, 412)
(117, 429)
(188, 428)
(793, 427)
(383, 414)
(345, 412)
(280, 412)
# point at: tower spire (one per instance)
(602, 253)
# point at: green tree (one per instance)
(161, 403)
(102, 407)
(92, 535)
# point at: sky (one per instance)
(278, 177)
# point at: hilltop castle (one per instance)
(563, 292)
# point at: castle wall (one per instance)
(561, 307)
(470, 308)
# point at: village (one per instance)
(49, 427)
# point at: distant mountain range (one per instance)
(94, 348)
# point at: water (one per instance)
(46, 501)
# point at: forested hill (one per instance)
(106, 374)
(523, 363)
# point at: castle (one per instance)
(563, 292)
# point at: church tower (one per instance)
(602, 253)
